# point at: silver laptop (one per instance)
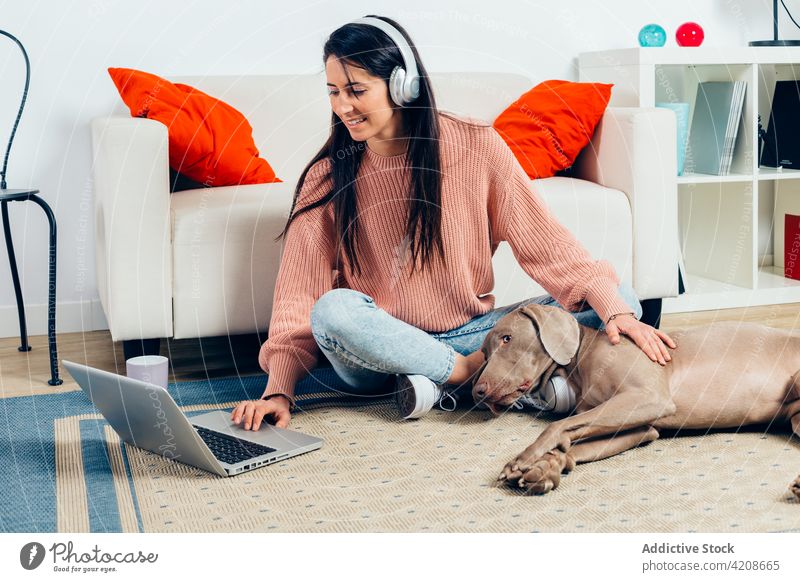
(146, 416)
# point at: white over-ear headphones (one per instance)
(404, 81)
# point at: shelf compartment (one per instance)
(678, 83)
(716, 228)
(768, 76)
(785, 198)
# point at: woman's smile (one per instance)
(355, 121)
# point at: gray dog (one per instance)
(721, 376)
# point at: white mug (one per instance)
(150, 369)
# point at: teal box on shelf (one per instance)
(682, 123)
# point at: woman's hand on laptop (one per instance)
(253, 412)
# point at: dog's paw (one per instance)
(795, 488)
(543, 445)
(540, 475)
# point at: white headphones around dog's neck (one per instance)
(404, 81)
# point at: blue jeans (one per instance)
(366, 346)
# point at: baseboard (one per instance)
(72, 316)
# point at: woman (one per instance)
(407, 205)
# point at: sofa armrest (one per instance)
(634, 150)
(133, 226)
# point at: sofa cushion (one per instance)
(588, 210)
(226, 261)
(210, 142)
(548, 126)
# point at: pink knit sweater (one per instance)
(486, 198)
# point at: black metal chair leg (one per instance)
(51, 298)
(23, 330)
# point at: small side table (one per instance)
(7, 196)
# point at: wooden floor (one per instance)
(27, 373)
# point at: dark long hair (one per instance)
(371, 49)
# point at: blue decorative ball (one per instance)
(652, 35)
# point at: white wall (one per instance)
(72, 43)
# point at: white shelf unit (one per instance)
(725, 223)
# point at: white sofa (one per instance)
(202, 263)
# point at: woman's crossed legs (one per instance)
(366, 346)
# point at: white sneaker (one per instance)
(415, 395)
(556, 396)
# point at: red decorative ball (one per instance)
(689, 34)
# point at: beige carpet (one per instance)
(377, 474)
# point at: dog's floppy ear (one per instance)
(558, 331)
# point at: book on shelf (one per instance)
(715, 125)
(782, 138)
(791, 246)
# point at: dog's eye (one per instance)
(506, 339)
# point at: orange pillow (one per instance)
(210, 142)
(548, 126)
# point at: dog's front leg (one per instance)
(632, 408)
(545, 473)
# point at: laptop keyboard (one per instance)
(229, 449)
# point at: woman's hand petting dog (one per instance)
(652, 341)
(253, 412)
